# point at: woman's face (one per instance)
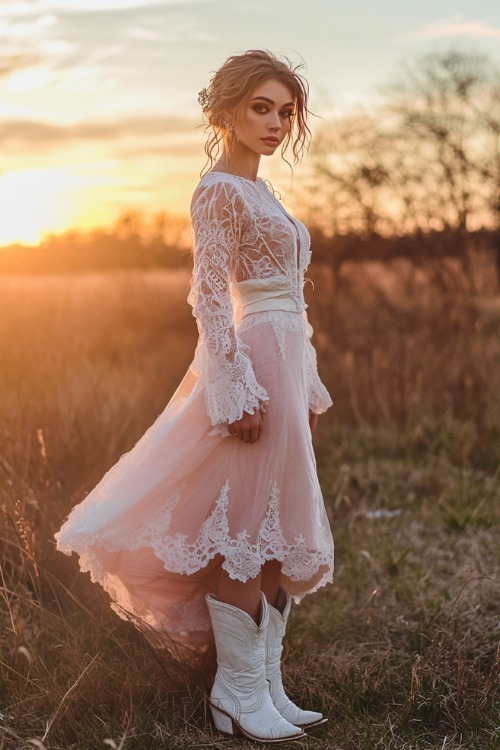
(267, 119)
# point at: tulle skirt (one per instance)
(187, 501)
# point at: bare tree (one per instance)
(425, 162)
(348, 162)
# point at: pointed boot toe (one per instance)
(278, 617)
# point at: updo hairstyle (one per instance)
(231, 88)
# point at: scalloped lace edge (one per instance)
(242, 560)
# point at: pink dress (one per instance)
(189, 499)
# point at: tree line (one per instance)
(133, 242)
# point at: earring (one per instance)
(230, 129)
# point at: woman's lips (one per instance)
(270, 141)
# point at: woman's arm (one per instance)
(318, 397)
(231, 389)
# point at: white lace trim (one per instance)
(242, 559)
(280, 321)
(318, 397)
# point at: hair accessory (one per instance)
(204, 99)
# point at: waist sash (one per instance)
(259, 295)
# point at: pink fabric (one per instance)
(189, 499)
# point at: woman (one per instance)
(215, 518)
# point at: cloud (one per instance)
(10, 64)
(33, 35)
(58, 48)
(454, 26)
(181, 30)
(40, 134)
(17, 27)
(99, 5)
(144, 149)
(141, 32)
(29, 7)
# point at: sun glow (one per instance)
(35, 202)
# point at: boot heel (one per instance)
(222, 722)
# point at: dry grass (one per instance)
(401, 653)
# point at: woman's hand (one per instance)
(313, 420)
(249, 427)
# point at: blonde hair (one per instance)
(230, 89)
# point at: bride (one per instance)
(212, 523)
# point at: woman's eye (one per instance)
(262, 109)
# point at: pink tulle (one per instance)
(188, 501)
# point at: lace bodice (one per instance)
(241, 232)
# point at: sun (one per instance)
(33, 202)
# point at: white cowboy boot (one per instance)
(278, 617)
(240, 694)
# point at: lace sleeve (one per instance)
(231, 388)
(319, 398)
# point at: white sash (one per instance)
(259, 295)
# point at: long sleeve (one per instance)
(231, 388)
(318, 396)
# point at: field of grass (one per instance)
(402, 652)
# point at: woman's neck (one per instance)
(244, 164)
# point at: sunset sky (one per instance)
(98, 98)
